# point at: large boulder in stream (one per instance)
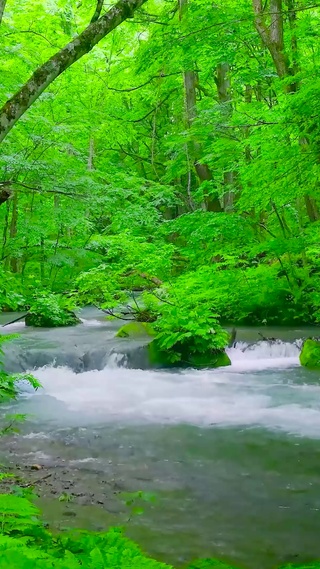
(63, 318)
(310, 354)
(160, 358)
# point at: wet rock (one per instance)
(135, 330)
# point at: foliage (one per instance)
(123, 181)
(187, 323)
(11, 291)
(24, 543)
(9, 390)
(49, 310)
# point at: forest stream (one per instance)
(229, 453)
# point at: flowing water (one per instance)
(233, 454)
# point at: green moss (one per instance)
(310, 354)
(135, 330)
(220, 359)
(157, 357)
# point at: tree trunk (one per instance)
(97, 12)
(5, 231)
(2, 8)
(90, 165)
(271, 34)
(272, 38)
(194, 151)
(13, 230)
(15, 107)
(42, 260)
(223, 84)
(5, 192)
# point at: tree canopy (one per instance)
(162, 147)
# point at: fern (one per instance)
(16, 514)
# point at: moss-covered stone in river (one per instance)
(161, 358)
(310, 354)
(135, 330)
(219, 359)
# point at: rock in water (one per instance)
(310, 354)
(135, 330)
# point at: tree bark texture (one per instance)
(97, 12)
(269, 25)
(222, 80)
(15, 107)
(190, 80)
(272, 38)
(13, 230)
(2, 8)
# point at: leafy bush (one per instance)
(188, 323)
(49, 310)
(12, 296)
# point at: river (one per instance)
(232, 454)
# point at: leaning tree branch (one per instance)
(5, 188)
(15, 107)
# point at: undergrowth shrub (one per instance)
(51, 310)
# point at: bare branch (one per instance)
(129, 89)
(154, 108)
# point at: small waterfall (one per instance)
(264, 355)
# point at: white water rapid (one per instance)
(230, 453)
(264, 387)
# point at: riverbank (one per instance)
(62, 483)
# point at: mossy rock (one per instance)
(160, 358)
(65, 318)
(157, 357)
(135, 330)
(310, 354)
(219, 359)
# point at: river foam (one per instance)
(264, 387)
